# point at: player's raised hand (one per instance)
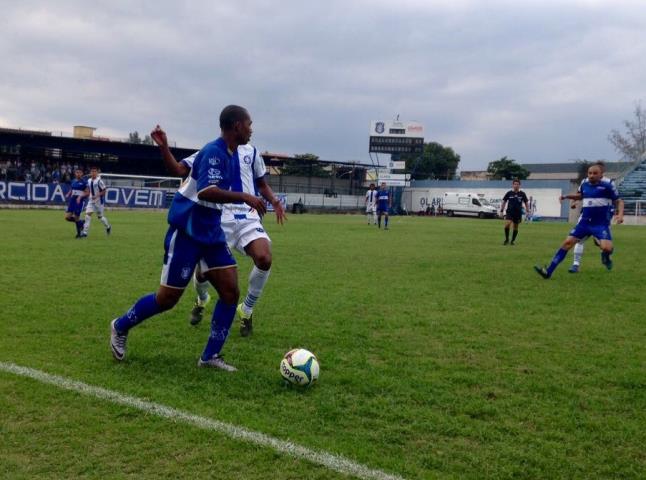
(256, 203)
(159, 137)
(280, 211)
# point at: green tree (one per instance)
(133, 137)
(304, 165)
(437, 161)
(632, 145)
(507, 169)
(147, 140)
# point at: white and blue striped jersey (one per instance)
(96, 186)
(211, 166)
(371, 198)
(597, 203)
(245, 172)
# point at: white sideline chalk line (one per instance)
(333, 462)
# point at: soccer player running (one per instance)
(371, 205)
(96, 203)
(195, 236)
(514, 200)
(598, 196)
(578, 248)
(384, 202)
(241, 225)
(76, 197)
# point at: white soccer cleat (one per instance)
(117, 342)
(216, 361)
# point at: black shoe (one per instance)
(512, 243)
(506, 242)
(542, 271)
(246, 324)
(196, 314)
(78, 235)
(108, 230)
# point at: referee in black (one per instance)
(513, 200)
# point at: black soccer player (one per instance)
(514, 200)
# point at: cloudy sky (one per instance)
(538, 81)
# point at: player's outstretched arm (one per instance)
(619, 208)
(571, 196)
(218, 195)
(268, 194)
(172, 165)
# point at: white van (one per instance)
(468, 204)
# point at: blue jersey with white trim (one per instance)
(597, 202)
(383, 199)
(200, 219)
(247, 168)
(78, 187)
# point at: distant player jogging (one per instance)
(76, 201)
(598, 196)
(242, 225)
(514, 199)
(96, 202)
(371, 205)
(195, 236)
(384, 202)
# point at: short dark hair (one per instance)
(601, 164)
(232, 114)
(515, 180)
(93, 167)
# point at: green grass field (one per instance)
(443, 355)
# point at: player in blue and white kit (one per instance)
(195, 236)
(241, 225)
(598, 196)
(384, 202)
(76, 198)
(96, 202)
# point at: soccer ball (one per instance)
(300, 367)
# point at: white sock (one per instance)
(105, 222)
(86, 225)
(374, 218)
(257, 280)
(202, 289)
(578, 253)
(369, 215)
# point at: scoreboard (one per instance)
(396, 137)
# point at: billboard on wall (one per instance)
(545, 201)
(54, 194)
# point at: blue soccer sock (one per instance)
(220, 324)
(379, 221)
(144, 308)
(79, 227)
(386, 222)
(558, 258)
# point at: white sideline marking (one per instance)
(333, 462)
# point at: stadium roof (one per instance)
(570, 167)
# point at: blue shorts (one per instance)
(584, 230)
(182, 253)
(382, 209)
(73, 207)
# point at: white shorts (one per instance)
(241, 232)
(95, 207)
(371, 208)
